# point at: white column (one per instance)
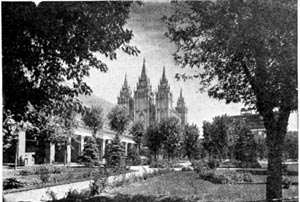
(103, 148)
(68, 148)
(81, 144)
(126, 148)
(51, 153)
(21, 144)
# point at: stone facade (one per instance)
(149, 107)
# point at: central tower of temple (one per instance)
(143, 99)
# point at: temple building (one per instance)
(148, 107)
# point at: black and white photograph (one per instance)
(149, 101)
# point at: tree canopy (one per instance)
(137, 130)
(169, 130)
(191, 141)
(93, 118)
(119, 118)
(153, 139)
(252, 41)
(246, 51)
(49, 48)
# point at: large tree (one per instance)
(246, 51)
(191, 141)
(220, 135)
(49, 48)
(153, 139)
(118, 119)
(93, 118)
(207, 138)
(169, 130)
(137, 130)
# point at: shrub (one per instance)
(134, 157)
(284, 167)
(45, 174)
(100, 182)
(286, 183)
(12, 183)
(90, 153)
(213, 163)
(52, 195)
(74, 195)
(145, 160)
(199, 166)
(114, 153)
(229, 177)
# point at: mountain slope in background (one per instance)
(88, 101)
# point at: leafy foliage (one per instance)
(169, 129)
(137, 130)
(118, 119)
(100, 182)
(230, 137)
(246, 52)
(45, 174)
(229, 177)
(114, 153)
(47, 51)
(90, 156)
(216, 136)
(291, 145)
(134, 156)
(47, 44)
(191, 142)
(11, 183)
(246, 146)
(93, 118)
(153, 139)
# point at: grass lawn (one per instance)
(187, 184)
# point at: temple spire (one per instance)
(181, 93)
(164, 79)
(125, 81)
(144, 75)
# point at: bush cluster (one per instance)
(40, 169)
(286, 183)
(229, 177)
(134, 157)
(158, 164)
(74, 196)
(12, 183)
(145, 160)
(213, 163)
(199, 166)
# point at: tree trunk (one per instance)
(274, 178)
(16, 154)
(276, 126)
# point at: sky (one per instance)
(148, 29)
